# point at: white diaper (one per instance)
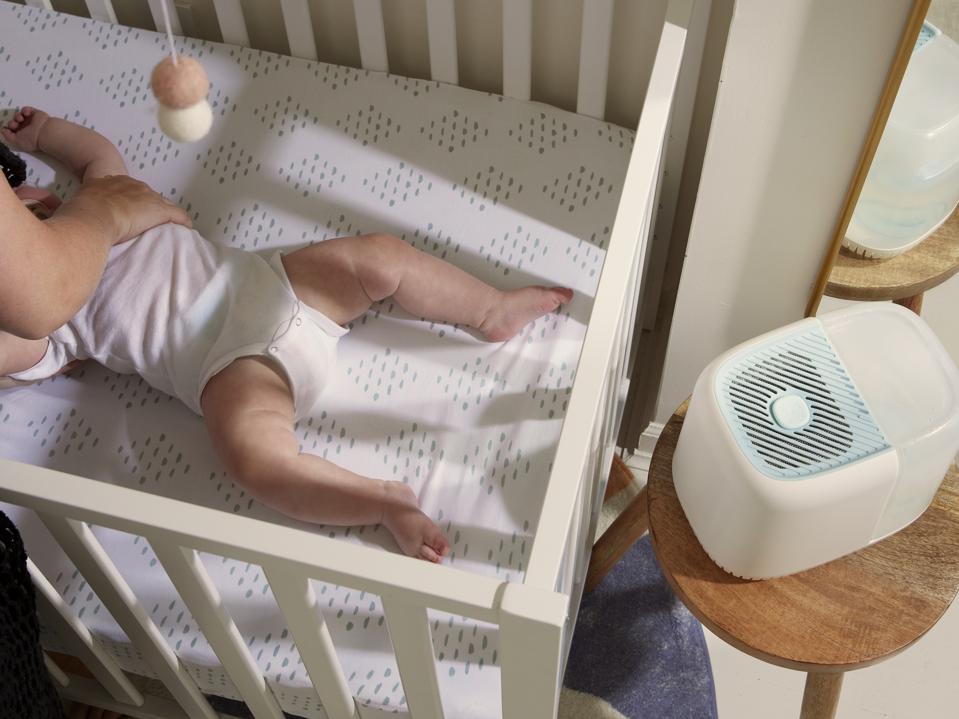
(177, 309)
(267, 320)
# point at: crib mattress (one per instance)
(515, 192)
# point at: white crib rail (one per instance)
(68, 505)
(74, 633)
(517, 39)
(410, 632)
(86, 553)
(441, 31)
(371, 34)
(229, 16)
(156, 10)
(102, 10)
(586, 439)
(518, 48)
(201, 597)
(532, 623)
(595, 41)
(297, 601)
(299, 28)
(59, 676)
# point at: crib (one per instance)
(535, 614)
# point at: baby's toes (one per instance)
(564, 293)
(437, 541)
(553, 297)
(427, 553)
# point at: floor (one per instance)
(919, 683)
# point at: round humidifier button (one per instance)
(790, 411)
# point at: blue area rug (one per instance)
(638, 648)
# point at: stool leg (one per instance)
(821, 696)
(913, 303)
(629, 526)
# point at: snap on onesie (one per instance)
(176, 309)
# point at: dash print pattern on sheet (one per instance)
(301, 152)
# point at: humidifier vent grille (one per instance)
(835, 426)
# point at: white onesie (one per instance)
(176, 309)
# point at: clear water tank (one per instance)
(913, 184)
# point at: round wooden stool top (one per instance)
(849, 613)
(931, 262)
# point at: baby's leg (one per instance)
(342, 277)
(18, 354)
(248, 409)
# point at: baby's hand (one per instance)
(22, 133)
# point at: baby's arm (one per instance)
(86, 153)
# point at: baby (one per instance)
(249, 343)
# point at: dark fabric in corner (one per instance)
(26, 691)
(636, 645)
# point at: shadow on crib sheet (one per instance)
(277, 194)
(260, 142)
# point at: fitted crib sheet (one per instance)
(515, 192)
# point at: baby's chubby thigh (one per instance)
(248, 410)
(342, 277)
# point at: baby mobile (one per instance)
(180, 86)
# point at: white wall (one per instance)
(799, 85)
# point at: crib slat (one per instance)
(297, 602)
(59, 676)
(410, 632)
(299, 28)
(372, 34)
(102, 10)
(229, 15)
(81, 546)
(595, 40)
(156, 10)
(441, 30)
(517, 48)
(80, 641)
(190, 577)
(530, 636)
(45, 4)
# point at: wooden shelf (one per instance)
(930, 263)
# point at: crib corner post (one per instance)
(532, 621)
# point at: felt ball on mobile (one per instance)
(180, 87)
(187, 125)
(179, 84)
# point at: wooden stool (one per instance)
(847, 614)
(903, 278)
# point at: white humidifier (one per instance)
(817, 439)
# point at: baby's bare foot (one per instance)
(22, 132)
(518, 308)
(417, 534)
